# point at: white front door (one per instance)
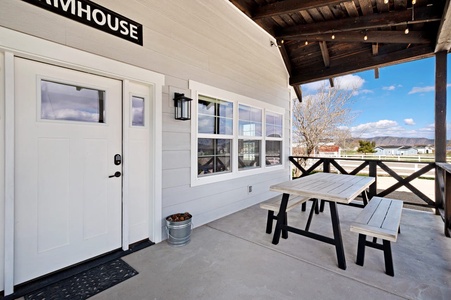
(68, 145)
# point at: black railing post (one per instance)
(440, 182)
(326, 165)
(447, 204)
(373, 173)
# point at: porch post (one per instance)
(440, 127)
(440, 106)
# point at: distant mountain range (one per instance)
(400, 141)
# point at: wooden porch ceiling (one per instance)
(323, 39)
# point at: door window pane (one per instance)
(248, 154)
(61, 101)
(213, 156)
(137, 111)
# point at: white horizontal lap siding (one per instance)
(2, 170)
(210, 202)
(206, 41)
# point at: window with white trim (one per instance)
(249, 137)
(274, 138)
(233, 135)
(215, 135)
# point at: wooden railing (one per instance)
(443, 188)
(373, 167)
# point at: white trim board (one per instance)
(14, 44)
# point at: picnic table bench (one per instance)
(380, 218)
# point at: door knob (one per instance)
(117, 174)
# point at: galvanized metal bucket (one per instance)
(179, 233)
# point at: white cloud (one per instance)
(379, 125)
(350, 82)
(389, 88)
(391, 128)
(425, 89)
(346, 82)
(362, 92)
(409, 121)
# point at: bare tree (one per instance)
(322, 116)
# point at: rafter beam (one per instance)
(325, 54)
(331, 82)
(289, 6)
(285, 57)
(386, 37)
(375, 48)
(389, 19)
(243, 6)
(298, 91)
(357, 63)
(444, 33)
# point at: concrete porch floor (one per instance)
(233, 258)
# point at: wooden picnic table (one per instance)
(333, 188)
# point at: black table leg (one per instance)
(337, 235)
(280, 218)
(365, 198)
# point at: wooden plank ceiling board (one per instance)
(323, 39)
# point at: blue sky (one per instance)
(399, 103)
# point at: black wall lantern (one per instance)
(182, 107)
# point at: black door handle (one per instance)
(117, 174)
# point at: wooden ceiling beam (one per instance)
(325, 54)
(331, 82)
(387, 37)
(357, 63)
(289, 6)
(389, 19)
(375, 48)
(244, 7)
(298, 91)
(444, 32)
(285, 57)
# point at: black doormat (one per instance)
(86, 284)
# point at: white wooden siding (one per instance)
(208, 41)
(2, 170)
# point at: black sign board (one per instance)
(94, 15)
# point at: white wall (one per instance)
(208, 41)
(2, 168)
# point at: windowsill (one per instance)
(215, 178)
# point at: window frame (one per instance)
(213, 92)
(271, 139)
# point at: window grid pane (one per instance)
(273, 153)
(250, 121)
(249, 154)
(213, 156)
(215, 116)
(274, 126)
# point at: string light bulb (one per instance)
(406, 31)
(365, 37)
(414, 2)
(333, 36)
(386, 1)
(306, 43)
